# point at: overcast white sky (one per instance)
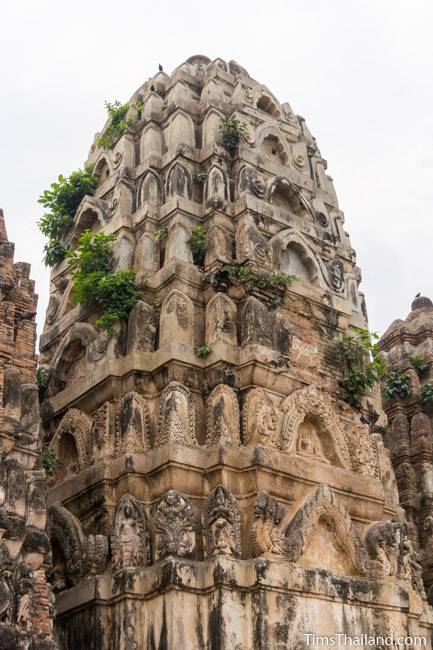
(361, 73)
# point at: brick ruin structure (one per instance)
(407, 346)
(26, 606)
(211, 488)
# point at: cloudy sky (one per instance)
(361, 73)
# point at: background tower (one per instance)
(26, 606)
(211, 488)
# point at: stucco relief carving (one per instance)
(260, 420)
(221, 523)
(133, 426)
(216, 189)
(130, 539)
(251, 244)
(336, 275)
(223, 417)
(174, 526)
(177, 314)
(266, 529)
(81, 555)
(323, 438)
(141, 328)
(176, 416)
(103, 432)
(324, 506)
(363, 450)
(221, 317)
(218, 245)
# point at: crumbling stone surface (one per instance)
(409, 433)
(229, 500)
(26, 603)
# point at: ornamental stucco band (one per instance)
(212, 490)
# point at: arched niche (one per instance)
(295, 260)
(92, 214)
(311, 428)
(271, 142)
(70, 444)
(150, 194)
(179, 181)
(102, 170)
(293, 255)
(151, 142)
(177, 316)
(288, 198)
(82, 345)
(72, 364)
(181, 130)
(322, 535)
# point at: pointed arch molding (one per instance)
(310, 401)
(66, 529)
(78, 425)
(324, 504)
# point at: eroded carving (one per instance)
(133, 428)
(223, 417)
(176, 416)
(174, 526)
(221, 523)
(310, 405)
(259, 418)
(130, 539)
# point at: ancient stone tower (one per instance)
(25, 602)
(211, 489)
(407, 346)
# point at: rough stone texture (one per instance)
(226, 501)
(26, 604)
(409, 433)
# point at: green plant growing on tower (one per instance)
(48, 460)
(61, 202)
(198, 243)
(43, 376)
(96, 285)
(248, 277)
(426, 394)
(199, 177)
(397, 384)
(117, 123)
(232, 130)
(160, 234)
(357, 357)
(202, 351)
(420, 364)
